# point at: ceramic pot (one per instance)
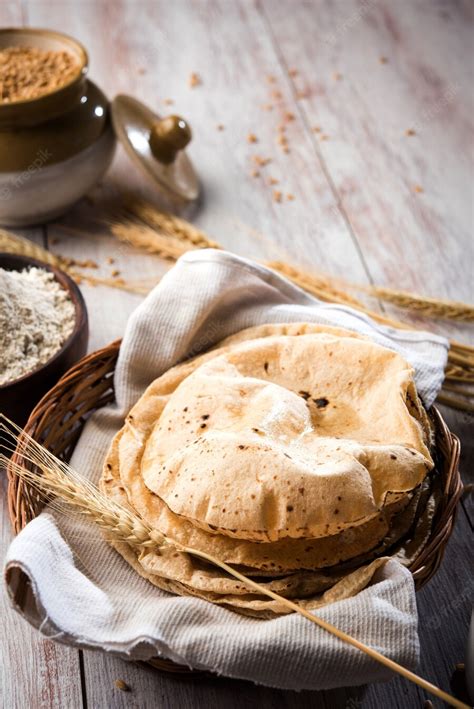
(54, 148)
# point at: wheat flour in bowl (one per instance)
(37, 316)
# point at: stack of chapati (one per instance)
(298, 453)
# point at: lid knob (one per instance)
(167, 137)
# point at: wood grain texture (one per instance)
(444, 608)
(172, 40)
(425, 85)
(409, 240)
(150, 688)
(33, 671)
(364, 106)
(355, 213)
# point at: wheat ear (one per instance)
(180, 230)
(426, 306)
(14, 244)
(53, 477)
(177, 237)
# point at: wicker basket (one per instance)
(57, 423)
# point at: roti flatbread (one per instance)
(182, 574)
(318, 557)
(287, 437)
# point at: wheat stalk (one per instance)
(119, 283)
(176, 236)
(428, 307)
(53, 477)
(182, 230)
(163, 224)
(14, 244)
(145, 238)
(320, 286)
(168, 224)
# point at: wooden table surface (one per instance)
(371, 203)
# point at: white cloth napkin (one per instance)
(83, 593)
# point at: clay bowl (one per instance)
(18, 398)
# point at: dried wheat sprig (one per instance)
(148, 239)
(59, 479)
(119, 283)
(426, 306)
(173, 226)
(168, 224)
(460, 358)
(53, 477)
(460, 366)
(323, 287)
(454, 402)
(116, 522)
(320, 286)
(170, 238)
(13, 243)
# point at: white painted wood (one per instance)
(355, 213)
(413, 241)
(33, 671)
(172, 40)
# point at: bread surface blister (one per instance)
(298, 453)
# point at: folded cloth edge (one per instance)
(294, 296)
(32, 607)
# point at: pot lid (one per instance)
(157, 145)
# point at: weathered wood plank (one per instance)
(353, 200)
(412, 240)
(444, 607)
(409, 240)
(150, 688)
(169, 41)
(33, 671)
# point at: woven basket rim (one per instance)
(24, 506)
(89, 383)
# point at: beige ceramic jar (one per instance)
(53, 148)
